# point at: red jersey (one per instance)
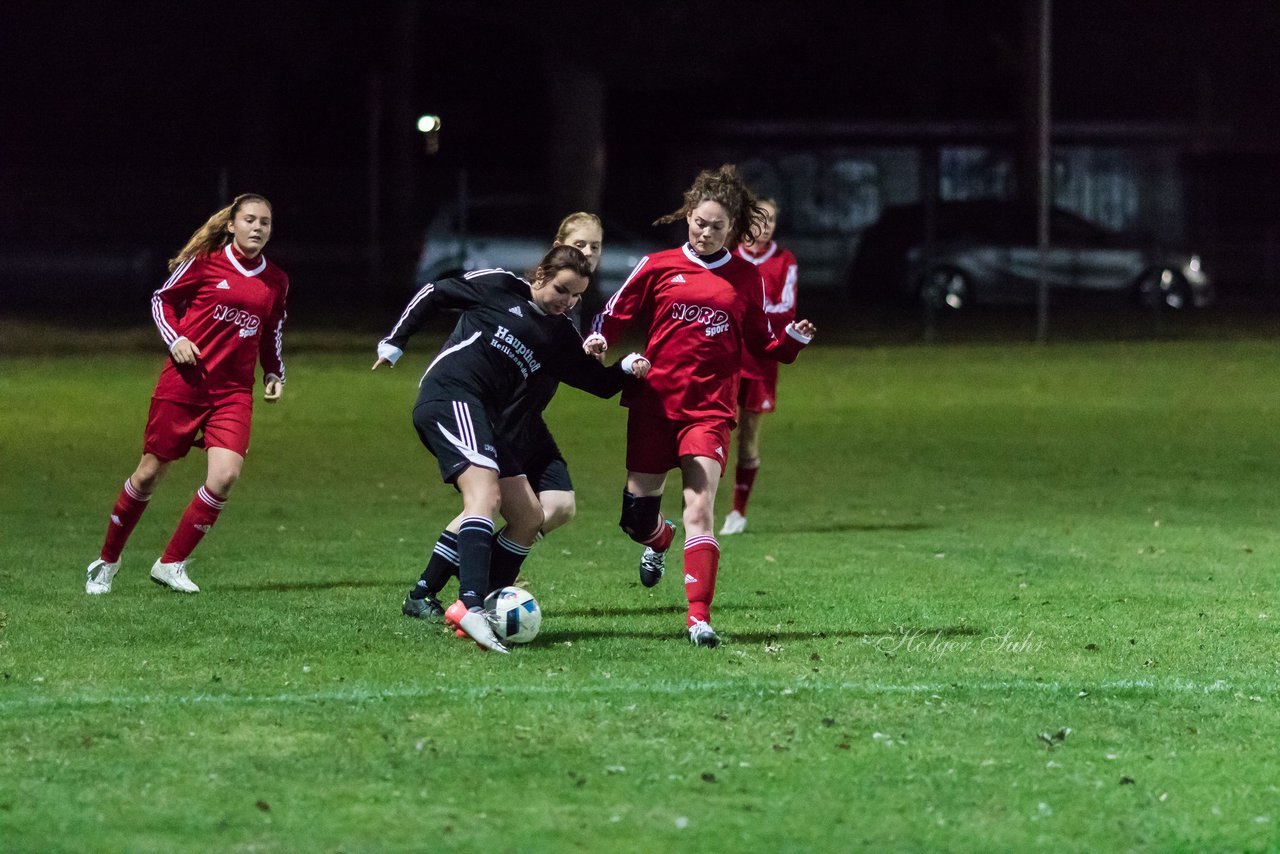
(777, 267)
(230, 307)
(700, 314)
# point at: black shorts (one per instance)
(548, 473)
(534, 454)
(459, 433)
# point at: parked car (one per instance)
(514, 232)
(985, 253)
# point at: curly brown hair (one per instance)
(726, 188)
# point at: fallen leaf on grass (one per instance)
(1057, 738)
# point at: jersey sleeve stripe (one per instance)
(408, 309)
(167, 333)
(279, 345)
(613, 300)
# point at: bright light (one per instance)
(428, 124)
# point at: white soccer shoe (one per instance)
(701, 634)
(98, 577)
(173, 576)
(473, 624)
(734, 523)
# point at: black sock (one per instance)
(475, 550)
(442, 566)
(508, 556)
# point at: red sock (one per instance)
(124, 516)
(743, 479)
(701, 560)
(199, 517)
(661, 539)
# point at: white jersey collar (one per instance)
(762, 257)
(697, 259)
(235, 262)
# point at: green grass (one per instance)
(952, 552)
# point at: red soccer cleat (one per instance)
(473, 624)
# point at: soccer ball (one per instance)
(518, 615)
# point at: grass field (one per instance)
(990, 598)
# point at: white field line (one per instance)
(1253, 691)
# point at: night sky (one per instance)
(127, 82)
(124, 121)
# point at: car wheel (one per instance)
(945, 288)
(1162, 288)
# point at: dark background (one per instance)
(125, 125)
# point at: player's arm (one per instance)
(620, 310)
(168, 301)
(760, 339)
(271, 348)
(783, 311)
(585, 372)
(460, 293)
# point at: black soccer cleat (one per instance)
(428, 608)
(653, 563)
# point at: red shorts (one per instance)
(173, 428)
(655, 444)
(759, 395)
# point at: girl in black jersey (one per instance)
(540, 466)
(511, 333)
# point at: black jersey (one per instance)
(505, 353)
(521, 426)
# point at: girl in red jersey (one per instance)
(758, 389)
(221, 311)
(700, 306)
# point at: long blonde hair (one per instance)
(213, 235)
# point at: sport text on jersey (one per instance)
(716, 320)
(516, 350)
(248, 322)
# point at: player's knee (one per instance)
(699, 510)
(524, 521)
(558, 511)
(640, 514)
(221, 481)
(148, 474)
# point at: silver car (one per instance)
(514, 232)
(986, 254)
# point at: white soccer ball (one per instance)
(518, 615)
